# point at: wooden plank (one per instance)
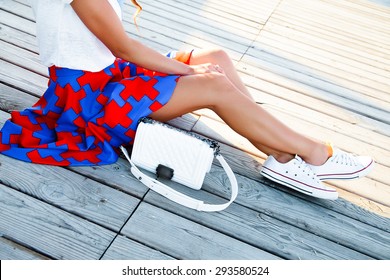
(308, 215)
(319, 58)
(17, 22)
(18, 38)
(27, 27)
(223, 15)
(222, 133)
(350, 204)
(21, 8)
(69, 191)
(204, 20)
(376, 8)
(12, 251)
(191, 35)
(22, 58)
(81, 196)
(250, 13)
(249, 165)
(338, 22)
(255, 12)
(374, 187)
(365, 140)
(183, 239)
(322, 29)
(12, 99)
(259, 229)
(313, 34)
(341, 11)
(23, 79)
(373, 7)
(124, 248)
(275, 37)
(322, 90)
(270, 88)
(303, 75)
(116, 175)
(49, 230)
(319, 114)
(167, 35)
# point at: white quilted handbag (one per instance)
(179, 155)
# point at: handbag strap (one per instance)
(180, 198)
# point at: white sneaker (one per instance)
(343, 166)
(298, 175)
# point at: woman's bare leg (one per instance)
(221, 58)
(242, 114)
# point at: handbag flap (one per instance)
(190, 157)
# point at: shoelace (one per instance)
(304, 167)
(344, 158)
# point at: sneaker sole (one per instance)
(298, 185)
(347, 176)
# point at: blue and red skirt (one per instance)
(83, 117)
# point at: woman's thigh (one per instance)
(194, 92)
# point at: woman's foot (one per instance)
(298, 175)
(343, 166)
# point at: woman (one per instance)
(102, 82)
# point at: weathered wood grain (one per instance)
(49, 230)
(124, 248)
(69, 191)
(373, 187)
(320, 89)
(279, 31)
(184, 239)
(307, 215)
(12, 99)
(274, 89)
(18, 38)
(79, 195)
(351, 205)
(22, 58)
(11, 251)
(259, 230)
(18, 22)
(116, 175)
(365, 28)
(251, 15)
(22, 79)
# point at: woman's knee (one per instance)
(213, 55)
(220, 56)
(195, 92)
(221, 90)
(219, 83)
(212, 87)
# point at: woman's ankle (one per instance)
(320, 154)
(283, 158)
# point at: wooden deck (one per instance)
(322, 66)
